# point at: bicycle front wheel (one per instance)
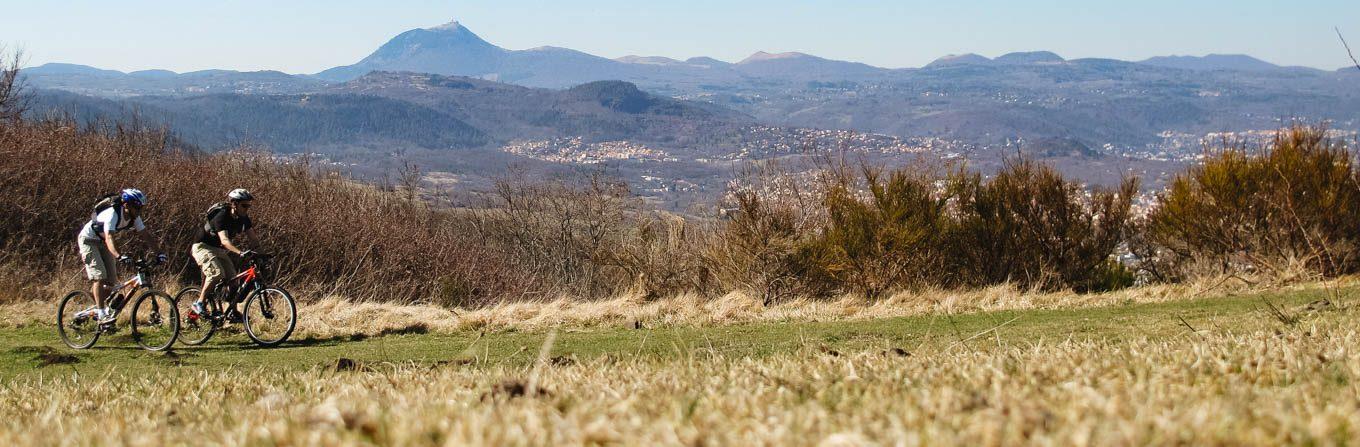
(194, 329)
(270, 316)
(155, 322)
(77, 323)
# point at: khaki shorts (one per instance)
(99, 263)
(216, 263)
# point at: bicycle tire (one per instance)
(263, 300)
(193, 331)
(170, 318)
(74, 340)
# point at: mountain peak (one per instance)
(1029, 57)
(1238, 62)
(67, 69)
(453, 25)
(959, 59)
(450, 49)
(449, 32)
(763, 56)
(649, 60)
(706, 62)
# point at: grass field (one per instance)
(1219, 370)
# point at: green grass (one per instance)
(31, 351)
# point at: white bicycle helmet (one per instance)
(240, 194)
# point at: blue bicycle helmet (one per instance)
(134, 196)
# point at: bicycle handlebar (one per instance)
(254, 255)
(141, 263)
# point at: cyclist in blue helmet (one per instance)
(117, 213)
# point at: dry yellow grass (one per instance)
(1258, 386)
(332, 316)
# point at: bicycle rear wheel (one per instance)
(194, 329)
(77, 323)
(270, 315)
(155, 322)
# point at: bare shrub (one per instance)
(1260, 210)
(561, 229)
(757, 249)
(408, 176)
(663, 255)
(14, 95)
(768, 215)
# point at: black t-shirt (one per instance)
(223, 221)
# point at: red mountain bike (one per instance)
(154, 320)
(269, 317)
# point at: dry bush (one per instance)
(14, 94)
(331, 234)
(870, 231)
(768, 216)
(586, 236)
(663, 254)
(561, 229)
(1030, 226)
(757, 249)
(886, 233)
(1264, 211)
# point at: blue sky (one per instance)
(306, 36)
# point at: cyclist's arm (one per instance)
(108, 242)
(226, 242)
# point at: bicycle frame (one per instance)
(132, 291)
(246, 279)
(220, 304)
(131, 286)
(122, 292)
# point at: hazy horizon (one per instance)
(309, 36)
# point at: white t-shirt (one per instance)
(107, 222)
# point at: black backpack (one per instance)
(106, 201)
(111, 200)
(213, 211)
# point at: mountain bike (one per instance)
(154, 319)
(269, 317)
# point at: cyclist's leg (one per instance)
(100, 269)
(209, 274)
(233, 262)
(214, 264)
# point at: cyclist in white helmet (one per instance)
(118, 212)
(217, 256)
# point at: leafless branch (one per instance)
(1348, 48)
(14, 95)
(409, 176)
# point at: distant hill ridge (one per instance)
(454, 49)
(549, 92)
(1237, 62)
